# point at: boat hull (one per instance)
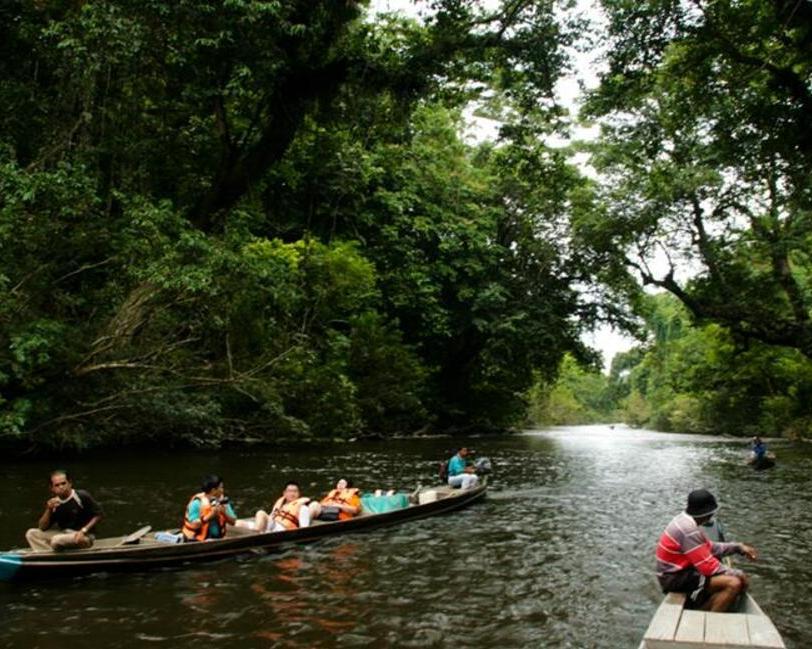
(763, 463)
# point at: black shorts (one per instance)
(687, 581)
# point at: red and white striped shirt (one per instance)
(684, 544)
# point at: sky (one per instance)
(584, 73)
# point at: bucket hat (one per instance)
(701, 503)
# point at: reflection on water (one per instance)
(560, 555)
(287, 606)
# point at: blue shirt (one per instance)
(193, 514)
(456, 466)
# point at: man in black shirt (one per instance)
(68, 518)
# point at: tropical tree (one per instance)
(705, 160)
(700, 379)
(256, 220)
(579, 395)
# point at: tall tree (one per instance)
(705, 160)
(226, 219)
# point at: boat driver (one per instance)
(688, 561)
(759, 449)
(460, 473)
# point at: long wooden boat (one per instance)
(111, 555)
(746, 625)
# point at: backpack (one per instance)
(444, 471)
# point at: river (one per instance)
(559, 555)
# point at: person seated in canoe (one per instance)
(341, 504)
(460, 473)
(291, 511)
(69, 516)
(688, 561)
(758, 450)
(208, 512)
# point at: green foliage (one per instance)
(460, 241)
(258, 221)
(704, 160)
(390, 379)
(704, 191)
(577, 396)
(696, 379)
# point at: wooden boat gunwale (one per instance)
(24, 564)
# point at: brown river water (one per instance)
(559, 555)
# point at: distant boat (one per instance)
(766, 461)
(139, 552)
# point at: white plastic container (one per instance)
(426, 497)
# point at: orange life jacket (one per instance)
(287, 514)
(201, 533)
(341, 497)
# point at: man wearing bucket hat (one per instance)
(688, 561)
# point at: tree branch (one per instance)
(292, 101)
(704, 242)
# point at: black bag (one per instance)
(444, 471)
(329, 513)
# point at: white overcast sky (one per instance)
(585, 69)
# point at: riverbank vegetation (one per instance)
(685, 378)
(705, 193)
(258, 221)
(577, 395)
(250, 220)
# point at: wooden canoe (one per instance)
(110, 555)
(745, 625)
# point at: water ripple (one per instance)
(560, 555)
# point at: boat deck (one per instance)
(675, 627)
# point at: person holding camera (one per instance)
(68, 517)
(208, 512)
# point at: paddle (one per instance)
(135, 537)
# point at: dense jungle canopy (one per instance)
(258, 220)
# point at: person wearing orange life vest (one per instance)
(291, 511)
(341, 504)
(208, 512)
